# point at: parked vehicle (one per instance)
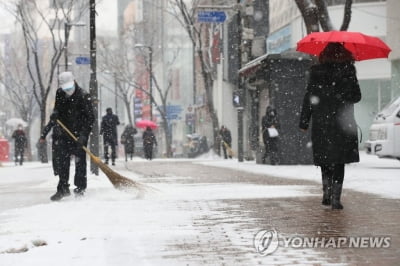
(196, 145)
(384, 133)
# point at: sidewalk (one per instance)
(236, 204)
(371, 175)
(200, 215)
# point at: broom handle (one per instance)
(75, 138)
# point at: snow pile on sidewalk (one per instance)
(107, 226)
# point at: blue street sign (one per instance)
(82, 60)
(173, 117)
(211, 16)
(174, 109)
(173, 112)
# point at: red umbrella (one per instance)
(146, 123)
(362, 46)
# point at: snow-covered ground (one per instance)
(107, 226)
(110, 227)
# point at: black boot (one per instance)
(327, 190)
(79, 192)
(62, 191)
(336, 193)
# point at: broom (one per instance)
(229, 149)
(118, 181)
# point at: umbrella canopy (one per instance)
(14, 122)
(146, 123)
(363, 47)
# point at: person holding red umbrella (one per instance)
(332, 91)
(149, 139)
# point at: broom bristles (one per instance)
(118, 181)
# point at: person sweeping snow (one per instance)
(74, 109)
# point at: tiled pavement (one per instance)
(226, 227)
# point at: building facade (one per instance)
(370, 17)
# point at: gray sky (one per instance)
(106, 21)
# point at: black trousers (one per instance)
(64, 150)
(148, 151)
(271, 149)
(19, 151)
(334, 172)
(129, 151)
(111, 144)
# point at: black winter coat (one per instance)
(226, 136)
(148, 138)
(20, 139)
(108, 128)
(331, 93)
(128, 139)
(268, 120)
(75, 112)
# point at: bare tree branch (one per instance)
(309, 11)
(197, 32)
(323, 16)
(347, 15)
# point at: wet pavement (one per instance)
(226, 225)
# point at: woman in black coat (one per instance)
(331, 93)
(128, 140)
(270, 120)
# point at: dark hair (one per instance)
(269, 109)
(335, 53)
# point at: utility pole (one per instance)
(67, 27)
(94, 139)
(116, 92)
(240, 89)
(67, 31)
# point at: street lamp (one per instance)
(150, 74)
(67, 28)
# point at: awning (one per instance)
(256, 64)
(252, 66)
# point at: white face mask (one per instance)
(69, 91)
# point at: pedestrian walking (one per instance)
(74, 109)
(20, 143)
(270, 132)
(128, 140)
(108, 129)
(332, 91)
(149, 140)
(226, 139)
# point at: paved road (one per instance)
(226, 225)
